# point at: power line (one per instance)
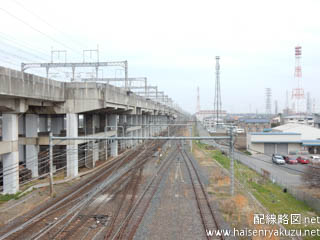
(37, 30)
(46, 22)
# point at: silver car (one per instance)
(278, 159)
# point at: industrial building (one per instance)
(285, 139)
(299, 119)
(254, 124)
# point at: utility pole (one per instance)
(190, 139)
(51, 163)
(232, 159)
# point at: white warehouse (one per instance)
(285, 139)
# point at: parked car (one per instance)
(278, 159)
(302, 160)
(290, 160)
(315, 159)
(239, 130)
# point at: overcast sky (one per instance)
(174, 43)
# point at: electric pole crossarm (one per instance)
(142, 79)
(25, 66)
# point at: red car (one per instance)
(302, 160)
(290, 160)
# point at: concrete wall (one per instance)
(294, 147)
(257, 147)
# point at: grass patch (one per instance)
(247, 152)
(7, 197)
(222, 159)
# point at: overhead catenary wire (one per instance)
(22, 48)
(37, 30)
(47, 23)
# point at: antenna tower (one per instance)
(217, 96)
(298, 93)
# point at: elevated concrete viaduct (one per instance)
(32, 106)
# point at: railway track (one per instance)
(66, 208)
(207, 215)
(85, 213)
(130, 223)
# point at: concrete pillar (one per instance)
(32, 150)
(138, 131)
(113, 121)
(57, 124)
(130, 134)
(95, 152)
(72, 147)
(10, 161)
(149, 127)
(153, 128)
(122, 122)
(106, 142)
(158, 122)
(96, 123)
(22, 132)
(43, 123)
(88, 125)
(95, 144)
(144, 128)
(135, 132)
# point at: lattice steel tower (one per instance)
(298, 93)
(217, 96)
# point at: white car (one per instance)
(315, 159)
(240, 130)
(278, 159)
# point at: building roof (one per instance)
(311, 142)
(254, 120)
(274, 133)
(307, 132)
(299, 116)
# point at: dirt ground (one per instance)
(238, 210)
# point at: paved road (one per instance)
(284, 175)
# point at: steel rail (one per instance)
(196, 192)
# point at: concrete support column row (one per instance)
(10, 160)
